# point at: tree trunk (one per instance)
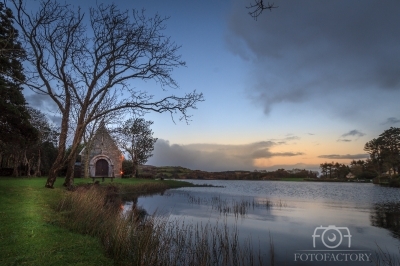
(86, 156)
(38, 172)
(86, 173)
(69, 178)
(28, 171)
(133, 169)
(27, 165)
(56, 166)
(52, 177)
(61, 147)
(16, 164)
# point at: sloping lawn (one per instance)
(27, 235)
(28, 231)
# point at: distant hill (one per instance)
(178, 172)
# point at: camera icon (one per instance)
(331, 236)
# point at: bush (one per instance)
(394, 182)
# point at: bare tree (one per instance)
(83, 65)
(258, 7)
(136, 138)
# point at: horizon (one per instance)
(307, 83)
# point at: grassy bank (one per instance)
(134, 238)
(29, 231)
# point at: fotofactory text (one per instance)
(332, 244)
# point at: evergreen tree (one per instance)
(384, 151)
(14, 117)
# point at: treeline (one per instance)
(358, 169)
(27, 140)
(384, 153)
(32, 153)
(178, 172)
(282, 173)
(383, 161)
(248, 175)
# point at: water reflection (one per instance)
(387, 215)
(287, 213)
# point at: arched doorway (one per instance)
(101, 168)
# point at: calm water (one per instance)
(348, 220)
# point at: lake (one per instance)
(309, 223)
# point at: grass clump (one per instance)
(135, 238)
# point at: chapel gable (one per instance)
(104, 157)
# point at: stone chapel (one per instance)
(105, 158)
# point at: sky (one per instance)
(307, 83)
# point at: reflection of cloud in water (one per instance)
(290, 224)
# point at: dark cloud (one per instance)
(265, 153)
(334, 51)
(45, 105)
(56, 119)
(354, 134)
(346, 156)
(214, 157)
(391, 121)
(40, 101)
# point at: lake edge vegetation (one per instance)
(34, 233)
(86, 223)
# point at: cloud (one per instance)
(346, 156)
(288, 138)
(339, 52)
(391, 121)
(214, 157)
(40, 101)
(265, 153)
(355, 134)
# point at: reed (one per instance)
(383, 257)
(239, 208)
(134, 238)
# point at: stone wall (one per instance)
(104, 147)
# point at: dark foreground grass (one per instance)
(29, 227)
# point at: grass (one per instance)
(41, 226)
(134, 238)
(384, 258)
(29, 237)
(30, 233)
